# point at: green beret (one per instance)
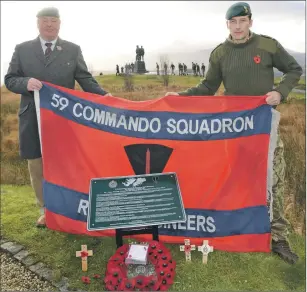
(49, 11)
(238, 9)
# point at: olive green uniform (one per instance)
(247, 69)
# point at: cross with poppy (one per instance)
(84, 253)
(187, 248)
(205, 249)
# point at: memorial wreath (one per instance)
(159, 258)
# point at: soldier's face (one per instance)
(49, 27)
(239, 27)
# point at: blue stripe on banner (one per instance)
(157, 125)
(200, 223)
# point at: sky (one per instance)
(106, 30)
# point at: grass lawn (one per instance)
(224, 272)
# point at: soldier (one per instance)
(194, 68)
(203, 68)
(257, 56)
(197, 70)
(180, 69)
(132, 67)
(185, 69)
(173, 68)
(165, 68)
(122, 69)
(158, 68)
(117, 70)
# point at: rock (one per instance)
(62, 285)
(11, 247)
(21, 255)
(35, 268)
(29, 261)
(46, 274)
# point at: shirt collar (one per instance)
(43, 41)
(249, 37)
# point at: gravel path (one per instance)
(15, 277)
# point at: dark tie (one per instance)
(48, 50)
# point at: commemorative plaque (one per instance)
(134, 201)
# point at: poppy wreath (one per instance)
(116, 277)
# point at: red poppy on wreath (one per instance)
(85, 280)
(257, 59)
(116, 277)
(84, 254)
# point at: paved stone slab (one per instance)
(46, 274)
(29, 261)
(35, 268)
(21, 255)
(3, 240)
(62, 284)
(11, 247)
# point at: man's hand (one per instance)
(34, 84)
(171, 93)
(273, 98)
(108, 94)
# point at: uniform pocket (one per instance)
(23, 109)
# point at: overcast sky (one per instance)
(107, 29)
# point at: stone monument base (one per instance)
(140, 67)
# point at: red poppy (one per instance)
(164, 285)
(127, 285)
(187, 248)
(96, 276)
(85, 280)
(140, 281)
(257, 59)
(84, 254)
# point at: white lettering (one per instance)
(99, 116)
(158, 128)
(219, 126)
(83, 205)
(226, 124)
(210, 224)
(204, 127)
(88, 109)
(146, 125)
(201, 221)
(75, 108)
(249, 121)
(239, 121)
(171, 123)
(110, 120)
(191, 127)
(134, 123)
(191, 220)
(122, 122)
(185, 125)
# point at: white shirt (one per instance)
(43, 42)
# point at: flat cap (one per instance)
(49, 11)
(238, 9)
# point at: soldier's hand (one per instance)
(34, 84)
(171, 93)
(108, 94)
(273, 98)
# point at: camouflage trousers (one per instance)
(279, 224)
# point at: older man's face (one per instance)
(239, 27)
(48, 27)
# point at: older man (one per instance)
(46, 58)
(245, 62)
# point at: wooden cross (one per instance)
(205, 249)
(187, 247)
(84, 253)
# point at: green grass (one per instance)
(224, 272)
